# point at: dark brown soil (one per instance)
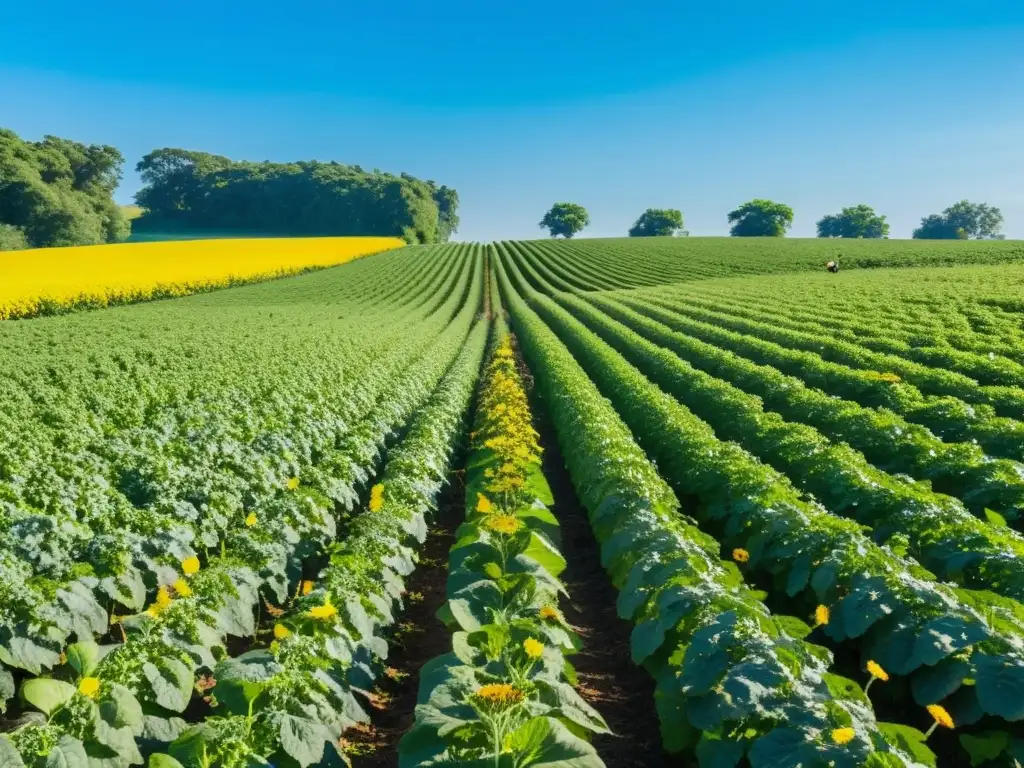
(621, 691)
(419, 637)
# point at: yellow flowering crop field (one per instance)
(55, 280)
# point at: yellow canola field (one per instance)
(55, 280)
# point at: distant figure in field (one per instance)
(832, 266)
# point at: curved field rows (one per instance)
(830, 459)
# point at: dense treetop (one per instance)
(187, 190)
(658, 222)
(855, 221)
(760, 218)
(58, 192)
(962, 221)
(565, 219)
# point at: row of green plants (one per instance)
(504, 694)
(123, 459)
(984, 367)
(942, 534)
(959, 649)
(171, 649)
(887, 440)
(734, 680)
(1006, 400)
(950, 418)
(923, 323)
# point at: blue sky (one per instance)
(908, 106)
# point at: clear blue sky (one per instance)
(905, 105)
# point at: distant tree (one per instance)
(59, 192)
(565, 219)
(858, 221)
(658, 222)
(962, 221)
(761, 218)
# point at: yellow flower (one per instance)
(504, 524)
(306, 587)
(89, 686)
(182, 588)
(821, 615)
(377, 497)
(547, 612)
(250, 520)
(740, 555)
(483, 504)
(293, 483)
(163, 597)
(499, 695)
(843, 735)
(190, 565)
(534, 648)
(940, 715)
(323, 612)
(875, 670)
(281, 631)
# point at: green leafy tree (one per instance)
(59, 192)
(962, 221)
(658, 222)
(197, 191)
(761, 218)
(856, 221)
(565, 219)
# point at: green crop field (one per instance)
(637, 502)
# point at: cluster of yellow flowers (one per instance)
(506, 428)
(51, 279)
(377, 498)
(181, 588)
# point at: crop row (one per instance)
(505, 691)
(951, 419)
(886, 439)
(733, 679)
(941, 533)
(95, 520)
(1006, 400)
(184, 630)
(963, 648)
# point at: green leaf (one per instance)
(910, 740)
(47, 695)
(715, 752)
(994, 518)
(9, 757)
(303, 739)
(69, 753)
(546, 743)
(1000, 686)
(7, 689)
(120, 708)
(171, 682)
(985, 746)
(84, 656)
(160, 760)
(793, 626)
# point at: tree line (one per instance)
(196, 191)
(59, 192)
(767, 218)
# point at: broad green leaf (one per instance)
(171, 682)
(985, 746)
(302, 739)
(909, 740)
(69, 753)
(161, 760)
(47, 695)
(120, 708)
(9, 757)
(994, 518)
(83, 656)
(1000, 686)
